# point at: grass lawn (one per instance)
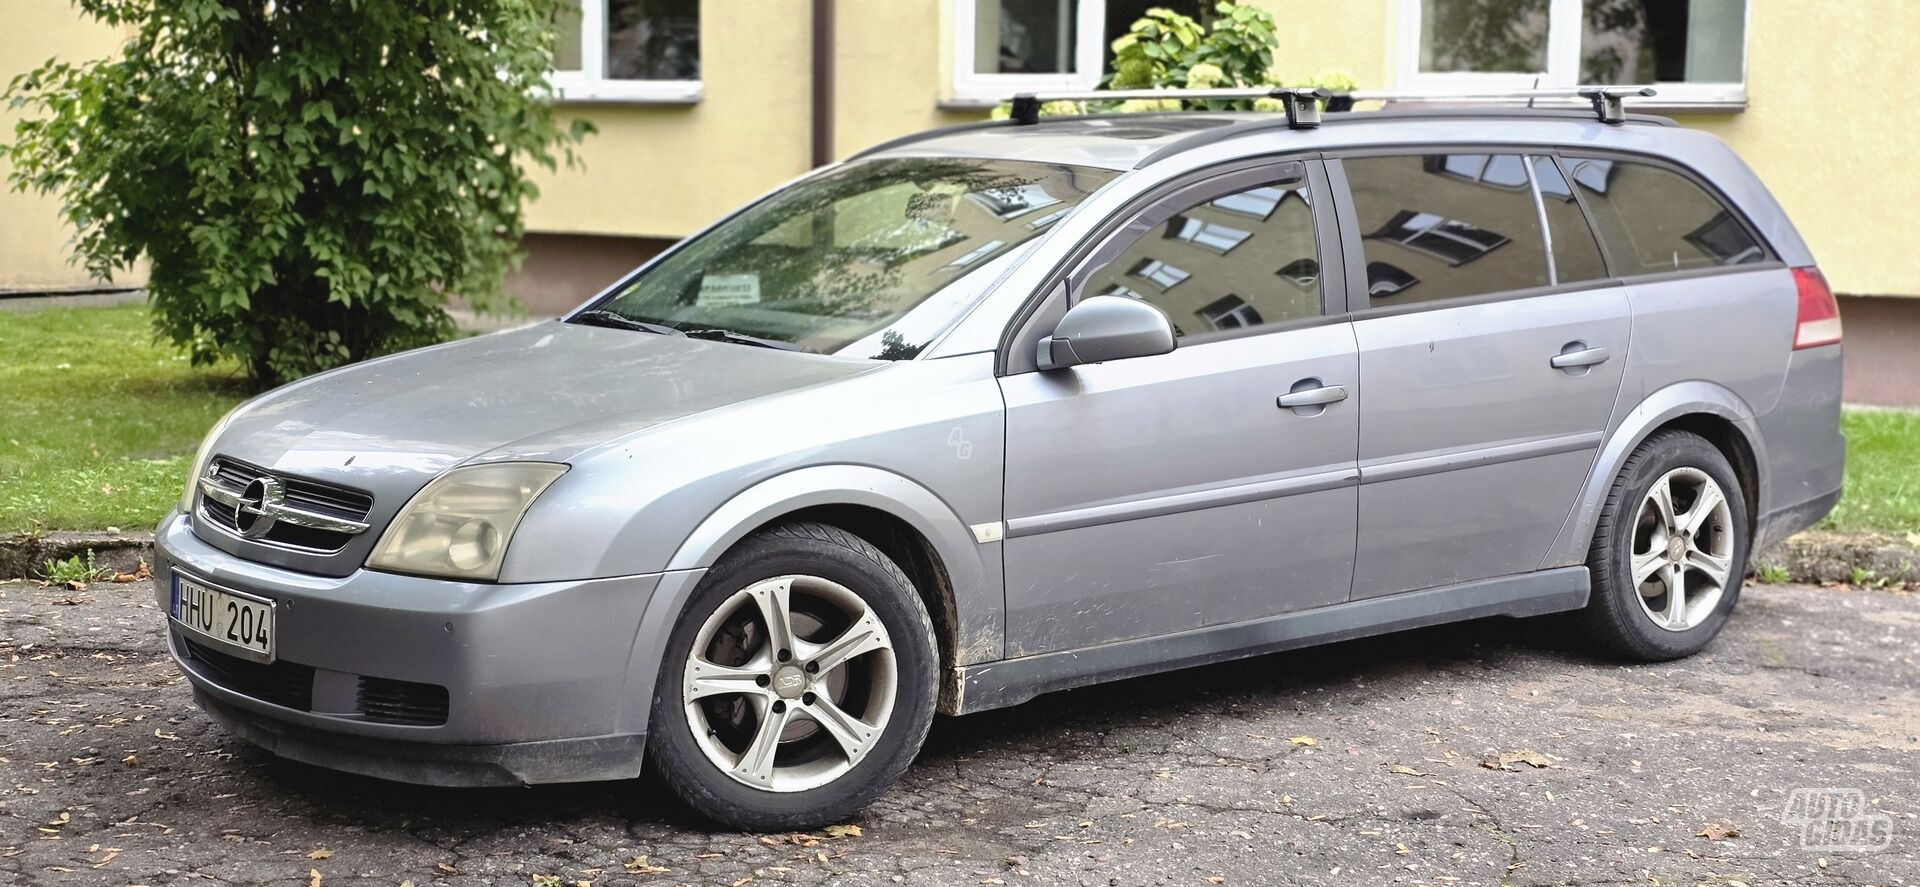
(1883, 473)
(97, 421)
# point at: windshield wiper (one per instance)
(720, 335)
(618, 321)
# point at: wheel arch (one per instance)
(1704, 408)
(902, 518)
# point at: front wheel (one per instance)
(799, 685)
(1669, 552)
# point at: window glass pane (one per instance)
(1656, 220)
(873, 259)
(1441, 226)
(566, 40)
(1240, 260)
(1662, 41)
(653, 39)
(1483, 35)
(1576, 255)
(1024, 36)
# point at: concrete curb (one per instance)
(25, 557)
(1817, 557)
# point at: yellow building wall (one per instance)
(33, 240)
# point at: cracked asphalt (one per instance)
(1371, 762)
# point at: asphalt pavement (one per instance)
(1485, 753)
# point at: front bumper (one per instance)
(426, 680)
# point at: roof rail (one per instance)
(1303, 105)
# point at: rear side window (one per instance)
(1576, 255)
(1244, 259)
(1654, 220)
(1442, 226)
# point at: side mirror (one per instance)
(1103, 328)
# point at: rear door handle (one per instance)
(1313, 397)
(1584, 357)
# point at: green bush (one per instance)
(310, 181)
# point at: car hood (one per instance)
(389, 425)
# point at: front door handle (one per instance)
(1579, 357)
(1302, 398)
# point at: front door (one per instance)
(1173, 492)
(1491, 353)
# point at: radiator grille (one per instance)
(326, 499)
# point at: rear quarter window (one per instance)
(1654, 220)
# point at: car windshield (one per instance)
(863, 260)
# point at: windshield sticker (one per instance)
(724, 290)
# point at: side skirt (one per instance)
(1008, 682)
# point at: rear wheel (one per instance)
(1670, 550)
(800, 684)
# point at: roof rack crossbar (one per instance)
(1303, 105)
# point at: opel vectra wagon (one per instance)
(1011, 408)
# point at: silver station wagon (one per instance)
(1015, 407)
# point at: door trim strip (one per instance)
(1511, 452)
(1073, 519)
(1009, 682)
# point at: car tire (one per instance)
(1639, 546)
(837, 586)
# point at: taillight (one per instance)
(1819, 320)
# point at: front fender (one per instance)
(972, 568)
(1657, 409)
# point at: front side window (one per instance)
(1443, 226)
(1238, 260)
(627, 49)
(872, 259)
(1655, 220)
(1695, 50)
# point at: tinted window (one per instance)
(1240, 260)
(1445, 225)
(1655, 220)
(1576, 255)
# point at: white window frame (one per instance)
(1563, 64)
(1089, 57)
(585, 86)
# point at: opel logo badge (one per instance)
(259, 506)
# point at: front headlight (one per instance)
(199, 465)
(460, 524)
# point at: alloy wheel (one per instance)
(1683, 544)
(789, 683)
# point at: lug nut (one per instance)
(806, 698)
(779, 706)
(763, 680)
(786, 655)
(813, 668)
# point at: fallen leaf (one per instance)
(1404, 770)
(1216, 879)
(319, 854)
(1718, 831)
(640, 866)
(446, 869)
(1303, 740)
(139, 573)
(843, 831)
(313, 878)
(1523, 756)
(546, 881)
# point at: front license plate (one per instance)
(233, 622)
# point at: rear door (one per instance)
(1178, 491)
(1492, 344)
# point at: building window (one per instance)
(1694, 51)
(1003, 47)
(627, 50)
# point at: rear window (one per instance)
(1655, 220)
(1441, 226)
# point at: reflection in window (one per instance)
(1499, 170)
(1655, 220)
(1228, 261)
(977, 253)
(1385, 280)
(1576, 252)
(1049, 218)
(1012, 202)
(1230, 313)
(1302, 272)
(1159, 273)
(1255, 204)
(1206, 235)
(1453, 241)
(1454, 225)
